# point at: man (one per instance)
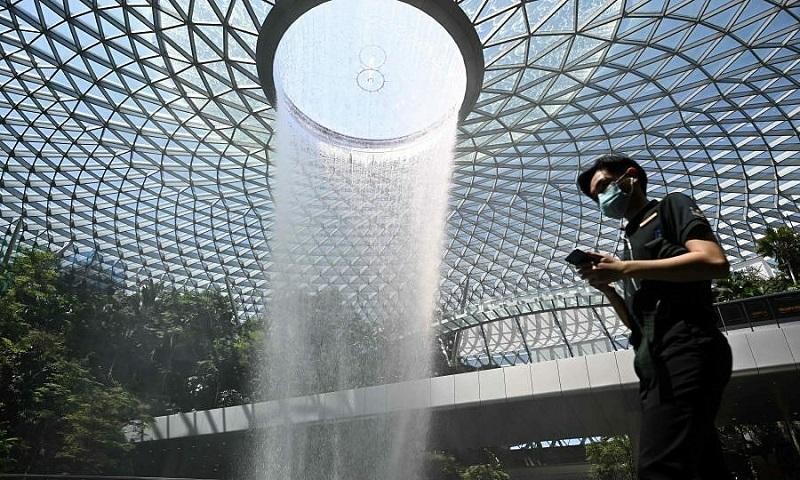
(682, 360)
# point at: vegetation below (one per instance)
(79, 359)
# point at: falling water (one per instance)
(358, 232)
(357, 248)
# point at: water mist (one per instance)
(362, 172)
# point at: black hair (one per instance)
(614, 163)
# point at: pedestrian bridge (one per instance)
(573, 397)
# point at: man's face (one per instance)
(600, 181)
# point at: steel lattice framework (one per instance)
(138, 129)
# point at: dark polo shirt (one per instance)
(660, 230)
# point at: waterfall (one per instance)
(368, 93)
(356, 254)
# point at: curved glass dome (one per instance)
(143, 133)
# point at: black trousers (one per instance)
(678, 438)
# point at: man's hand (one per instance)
(601, 274)
(604, 288)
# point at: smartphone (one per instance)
(579, 257)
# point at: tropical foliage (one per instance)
(79, 360)
(749, 282)
(445, 466)
(781, 244)
(611, 458)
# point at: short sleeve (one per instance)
(684, 218)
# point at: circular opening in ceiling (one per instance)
(370, 70)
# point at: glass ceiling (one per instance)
(141, 132)
(393, 86)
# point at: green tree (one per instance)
(442, 465)
(59, 418)
(611, 458)
(175, 350)
(445, 466)
(196, 347)
(53, 412)
(486, 471)
(782, 244)
(79, 360)
(749, 283)
(32, 298)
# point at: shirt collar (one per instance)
(633, 224)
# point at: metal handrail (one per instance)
(772, 314)
(787, 293)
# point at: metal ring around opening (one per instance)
(445, 12)
(335, 138)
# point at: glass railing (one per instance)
(773, 309)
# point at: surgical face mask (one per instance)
(613, 201)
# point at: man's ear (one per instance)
(627, 184)
(635, 186)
